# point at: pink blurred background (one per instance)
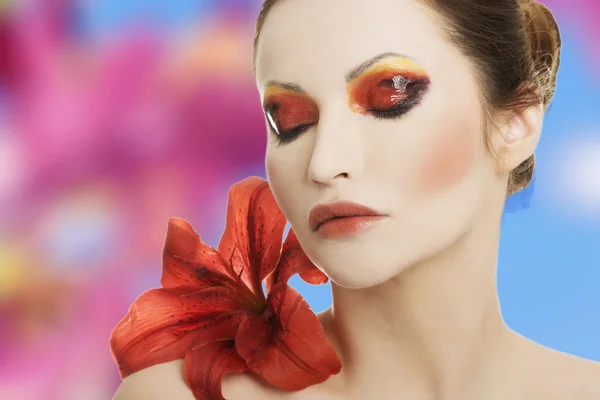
(115, 116)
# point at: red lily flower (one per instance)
(212, 311)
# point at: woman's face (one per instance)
(366, 103)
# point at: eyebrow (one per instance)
(287, 86)
(359, 70)
(350, 75)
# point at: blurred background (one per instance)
(118, 114)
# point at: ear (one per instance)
(517, 139)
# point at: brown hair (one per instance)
(515, 47)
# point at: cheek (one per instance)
(281, 178)
(274, 177)
(450, 158)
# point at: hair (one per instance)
(515, 48)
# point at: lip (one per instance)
(342, 218)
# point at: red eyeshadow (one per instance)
(381, 90)
(290, 110)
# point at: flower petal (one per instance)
(162, 324)
(254, 232)
(205, 367)
(187, 261)
(292, 350)
(295, 261)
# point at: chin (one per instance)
(360, 264)
(361, 280)
(369, 260)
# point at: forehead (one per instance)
(312, 41)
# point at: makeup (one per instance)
(289, 112)
(345, 227)
(450, 156)
(388, 88)
(342, 219)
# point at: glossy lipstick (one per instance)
(342, 219)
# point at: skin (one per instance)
(415, 309)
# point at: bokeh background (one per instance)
(118, 114)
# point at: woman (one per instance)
(397, 129)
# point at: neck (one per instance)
(433, 331)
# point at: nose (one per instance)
(337, 152)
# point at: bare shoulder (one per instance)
(166, 381)
(161, 381)
(584, 378)
(568, 377)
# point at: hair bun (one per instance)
(545, 44)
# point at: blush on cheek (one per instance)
(449, 159)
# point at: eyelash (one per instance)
(404, 107)
(289, 136)
(394, 113)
